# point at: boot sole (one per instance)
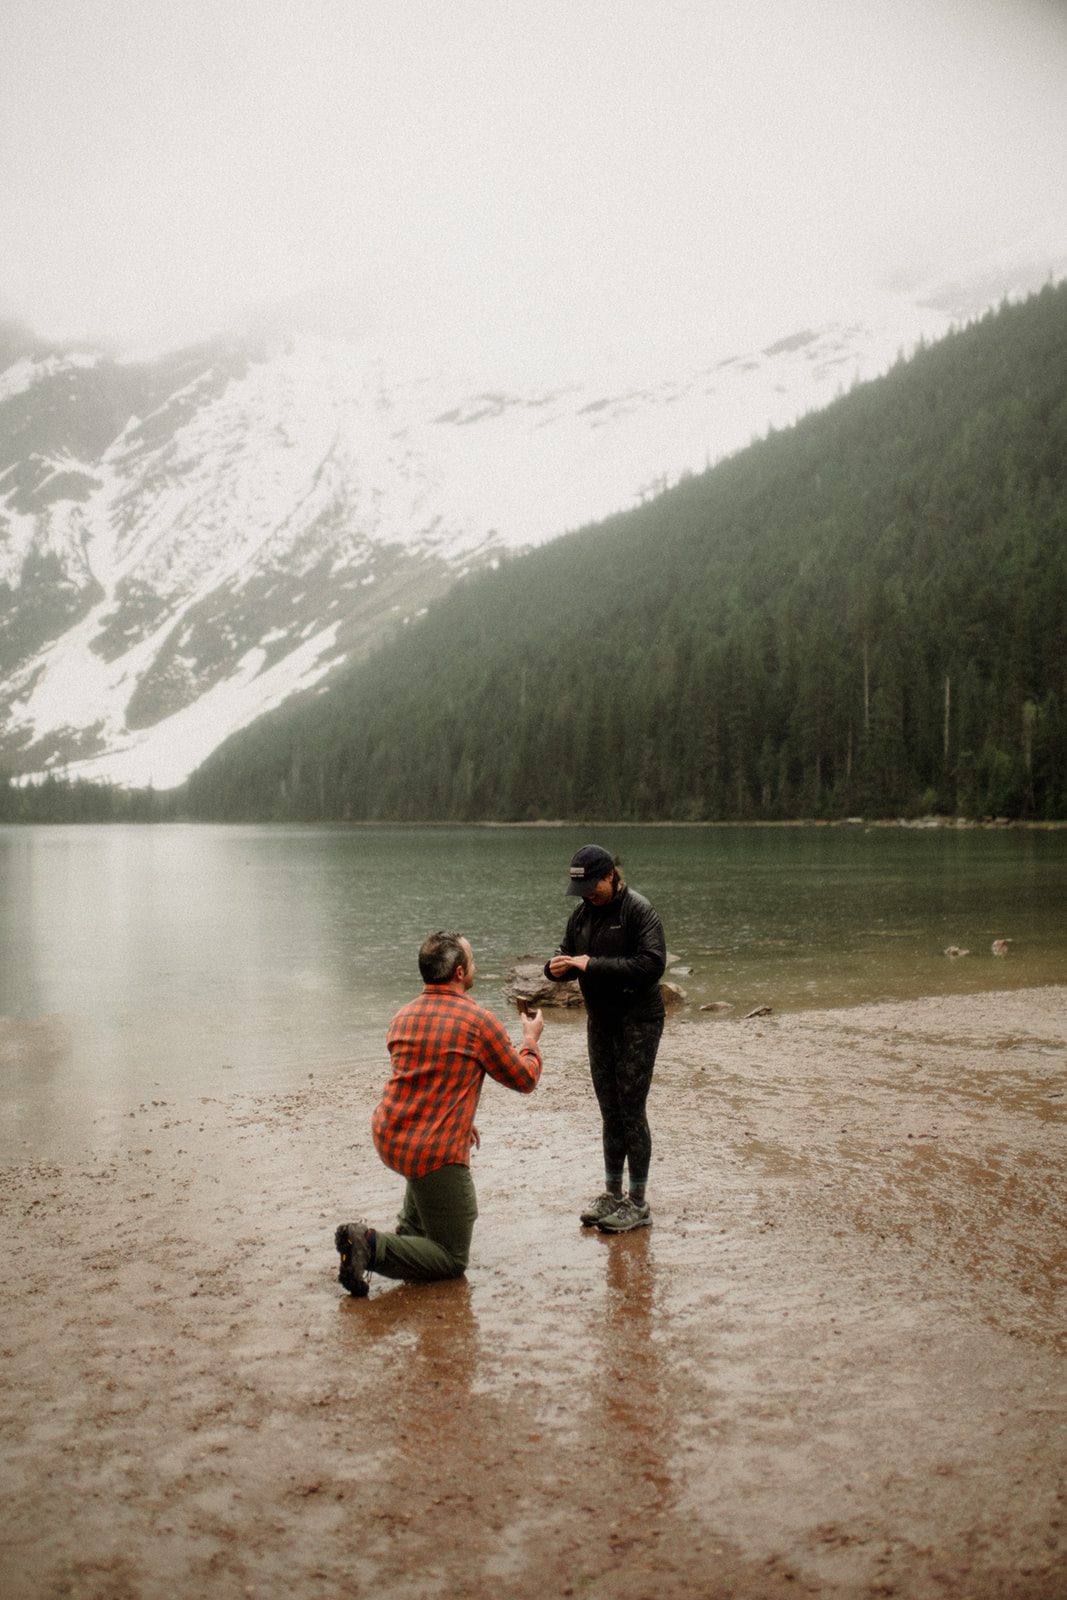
(356, 1285)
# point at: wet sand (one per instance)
(833, 1367)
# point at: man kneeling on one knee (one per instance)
(441, 1046)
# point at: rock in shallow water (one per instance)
(527, 979)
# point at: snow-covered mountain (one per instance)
(187, 540)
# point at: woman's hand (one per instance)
(559, 966)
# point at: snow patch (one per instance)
(162, 756)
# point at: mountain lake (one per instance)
(162, 963)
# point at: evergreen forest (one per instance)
(862, 615)
(76, 800)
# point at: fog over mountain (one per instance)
(516, 268)
(188, 539)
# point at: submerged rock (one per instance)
(527, 979)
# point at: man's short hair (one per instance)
(439, 957)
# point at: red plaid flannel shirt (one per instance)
(441, 1046)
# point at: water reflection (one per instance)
(433, 1329)
(629, 1403)
(413, 1353)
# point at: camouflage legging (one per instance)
(622, 1054)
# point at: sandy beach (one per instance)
(834, 1365)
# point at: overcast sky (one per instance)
(535, 175)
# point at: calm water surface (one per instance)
(168, 962)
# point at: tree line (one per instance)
(59, 799)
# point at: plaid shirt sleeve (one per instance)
(441, 1047)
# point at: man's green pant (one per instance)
(433, 1233)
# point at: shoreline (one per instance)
(833, 1366)
(921, 824)
(930, 823)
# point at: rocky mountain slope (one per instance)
(186, 540)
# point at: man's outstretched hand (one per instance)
(532, 1023)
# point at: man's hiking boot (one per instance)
(351, 1242)
(598, 1208)
(626, 1215)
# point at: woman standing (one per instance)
(614, 944)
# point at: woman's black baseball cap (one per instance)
(588, 866)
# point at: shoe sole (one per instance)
(357, 1286)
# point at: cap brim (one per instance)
(582, 886)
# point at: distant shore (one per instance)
(165, 817)
(952, 823)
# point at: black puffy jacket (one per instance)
(627, 953)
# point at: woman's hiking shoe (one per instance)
(351, 1242)
(598, 1208)
(626, 1215)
